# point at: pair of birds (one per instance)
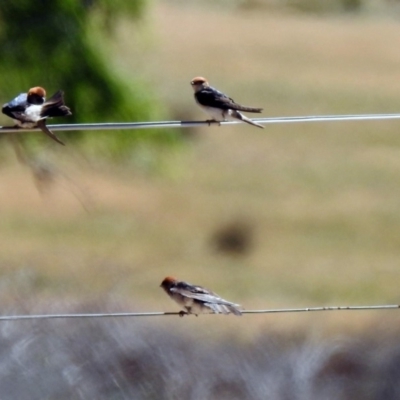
(197, 299)
(30, 110)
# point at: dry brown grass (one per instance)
(322, 199)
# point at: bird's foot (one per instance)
(210, 121)
(182, 313)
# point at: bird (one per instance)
(197, 299)
(30, 110)
(218, 105)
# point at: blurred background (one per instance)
(295, 215)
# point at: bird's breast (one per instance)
(215, 113)
(32, 113)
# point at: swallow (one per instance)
(218, 105)
(196, 299)
(30, 110)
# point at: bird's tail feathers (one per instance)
(248, 109)
(55, 106)
(238, 115)
(42, 125)
(225, 308)
(235, 310)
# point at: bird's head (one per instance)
(199, 83)
(168, 282)
(36, 95)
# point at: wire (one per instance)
(187, 124)
(161, 313)
(328, 308)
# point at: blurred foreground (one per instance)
(144, 359)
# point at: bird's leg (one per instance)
(182, 313)
(210, 121)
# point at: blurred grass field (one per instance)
(321, 200)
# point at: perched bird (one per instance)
(196, 299)
(218, 105)
(30, 110)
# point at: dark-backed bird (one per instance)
(30, 110)
(218, 105)
(197, 299)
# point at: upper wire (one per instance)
(185, 124)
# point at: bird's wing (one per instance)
(55, 106)
(211, 97)
(199, 293)
(19, 101)
(57, 98)
(16, 106)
